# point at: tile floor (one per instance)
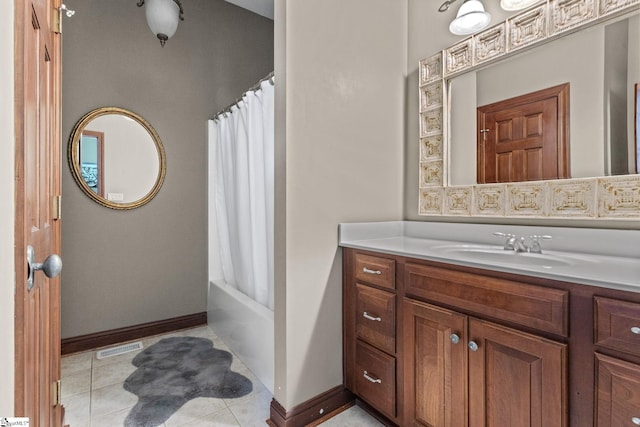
(93, 394)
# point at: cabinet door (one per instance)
(515, 379)
(435, 366)
(617, 392)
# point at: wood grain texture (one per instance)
(533, 306)
(617, 392)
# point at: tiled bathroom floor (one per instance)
(93, 394)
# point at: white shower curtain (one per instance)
(241, 190)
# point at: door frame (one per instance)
(7, 212)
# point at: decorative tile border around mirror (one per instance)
(586, 198)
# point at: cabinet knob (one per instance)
(369, 271)
(455, 339)
(473, 346)
(635, 330)
(370, 317)
(371, 379)
(635, 420)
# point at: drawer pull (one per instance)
(455, 339)
(370, 317)
(635, 330)
(369, 271)
(635, 420)
(473, 346)
(371, 379)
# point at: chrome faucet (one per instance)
(519, 245)
(535, 246)
(513, 242)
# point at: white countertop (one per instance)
(599, 257)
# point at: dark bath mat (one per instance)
(175, 370)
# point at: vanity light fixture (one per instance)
(470, 19)
(511, 5)
(162, 17)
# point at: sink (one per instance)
(496, 254)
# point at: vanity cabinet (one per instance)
(469, 369)
(434, 344)
(478, 371)
(617, 332)
(370, 342)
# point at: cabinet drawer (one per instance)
(617, 325)
(376, 317)
(376, 270)
(617, 392)
(533, 306)
(375, 380)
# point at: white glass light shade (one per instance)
(516, 4)
(162, 17)
(470, 19)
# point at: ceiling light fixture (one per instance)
(162, 17)
(471, 17)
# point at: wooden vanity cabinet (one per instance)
(460, 370)
(369, 315)
(617, 332)
(549, 353)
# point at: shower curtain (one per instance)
(241, 193)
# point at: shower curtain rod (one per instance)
(256, 86)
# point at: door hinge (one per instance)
(56, 398)
(57, 17)
(57, 20)
(57, 207)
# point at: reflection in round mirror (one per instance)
(116, 158)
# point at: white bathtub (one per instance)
(245, 326)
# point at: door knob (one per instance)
(51, 266)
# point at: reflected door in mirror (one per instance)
(91, 160)
(524, 138)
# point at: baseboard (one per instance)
(313, 411)
(115, 336)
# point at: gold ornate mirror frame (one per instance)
(613, 197)
(73, 155)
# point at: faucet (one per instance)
(513, 242)
(535, 246)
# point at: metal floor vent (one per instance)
(121, 349)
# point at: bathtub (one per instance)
(245, 326)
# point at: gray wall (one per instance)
(124, 268)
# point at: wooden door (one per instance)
(37, 325)
(524, 138)
(435, 364)
(515, 379)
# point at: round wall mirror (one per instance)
(116, 158)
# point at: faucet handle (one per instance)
(535, 246)
(510, 239)
(501, 234)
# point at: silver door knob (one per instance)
(473, 346)
(51, 266)
(455, 339)
(635, 420)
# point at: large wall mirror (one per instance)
(589, 48)
(116, 158)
